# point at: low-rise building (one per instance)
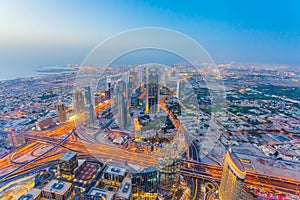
(58, 190)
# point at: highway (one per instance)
(214, 172)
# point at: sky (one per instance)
(53, 32)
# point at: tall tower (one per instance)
(89, 107)
(180, 88)
(233, 177)
(78, 102)
(122, 103)
(61, 110)
(152, 93)
(108, 90)
(87, 95)
(122, 111)
(146, 82)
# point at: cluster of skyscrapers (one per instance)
(83, 104)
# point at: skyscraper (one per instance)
(233, 177)
(108, 90)
(152, 91)
(122, 111)
(122, 103)
(61, 110)
(89, 107)
(78, 102)
(87, 94)
(180, 88)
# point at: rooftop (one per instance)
(96, 192)
(115, 170)
(236, 161)
(68, 156)
(124, 191)
(31, 194)
(57, 186)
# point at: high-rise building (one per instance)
(89, 107)
(122, 112)
(180, 88)
(78, 102)
(121, 104)
(61, 110)
(233, 177)
(16, 139)
(87, 94)
(152, 92)
(108, 90)
(130, 81)
(67, 164)
(168, 178)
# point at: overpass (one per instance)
(202, 170)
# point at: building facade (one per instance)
(233, 177)
(61, 110)
(67, 164)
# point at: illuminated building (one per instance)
(16, 139)
(152, 92)
(145, 182)
(233, 177)
(67, 164)
(113, 175)
(58, 190)
(86, 171)
(78, 102)
(134, 101)
(108, 90)
(61, 112)
(43, 123)
(33, 194)
(168, 178)
(89, 107)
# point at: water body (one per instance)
(19, 72)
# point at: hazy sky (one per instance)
(52, 32)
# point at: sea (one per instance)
(15, 73)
